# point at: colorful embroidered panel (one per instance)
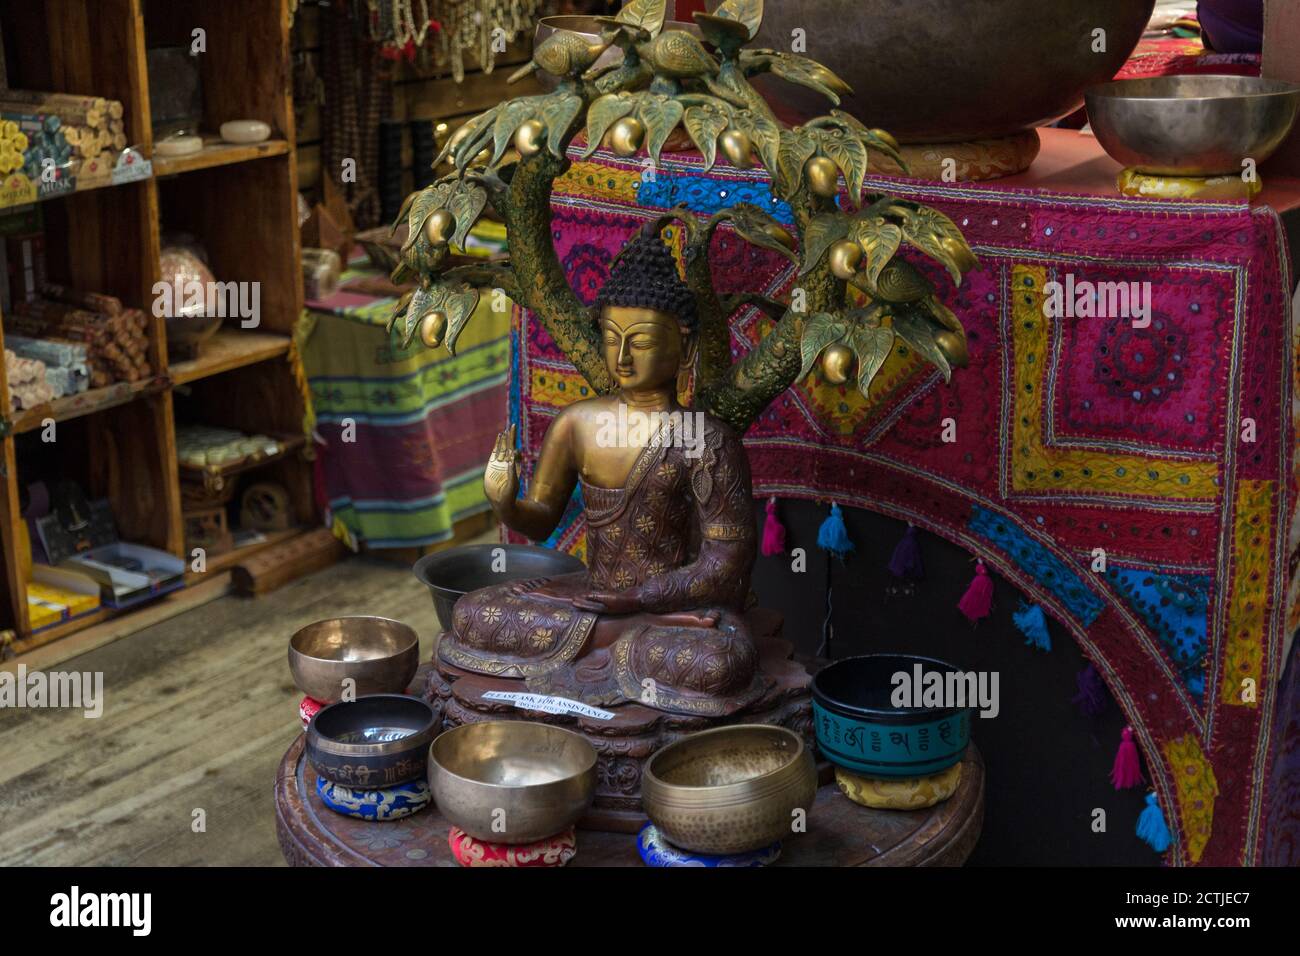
(1132, 474)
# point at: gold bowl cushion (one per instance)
(913, 793)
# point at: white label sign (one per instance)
(548, 705)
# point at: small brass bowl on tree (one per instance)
(512, 781)
(731, 789)
(373, 742)
(380, 656)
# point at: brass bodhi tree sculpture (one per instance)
(666, 79)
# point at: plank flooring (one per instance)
(198, 711)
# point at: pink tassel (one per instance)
(1127, 772)
(977, 602)
(773, 531)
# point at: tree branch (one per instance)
(543, 286)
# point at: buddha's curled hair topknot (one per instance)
(645, 277)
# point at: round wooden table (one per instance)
(840, 833)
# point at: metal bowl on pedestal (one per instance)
(454, 572)
(377, 741)
(512, 781)
(731, 789)
(1192, 125)
(938, 71)
(860, 728)
(380, 656)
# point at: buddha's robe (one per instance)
(681, 531)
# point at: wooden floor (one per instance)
(198, 711)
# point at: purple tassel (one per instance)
(1091, 698)
(906, 561)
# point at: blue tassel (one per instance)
(1033, 624)
(1151, 827)
(833, 536)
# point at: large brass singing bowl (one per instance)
(512, 781)
(953, 70)
(1192, 125)
(379, 655)
(730, 789)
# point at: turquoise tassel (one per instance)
(833, 536)
(1033, 624)
(1151, 826)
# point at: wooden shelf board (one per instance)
(215, 152)
(229, 349)
(46, 649)
(220, 563)
(88, 402)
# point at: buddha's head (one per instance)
(647, 317)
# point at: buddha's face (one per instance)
(643, 348)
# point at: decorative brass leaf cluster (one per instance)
(666, 80)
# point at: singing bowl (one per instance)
(379, 655)
(952, 70)
(730, 789)
(1192, 125)
(453, 573)
(858, 727)
(512, 781)
(372, 742)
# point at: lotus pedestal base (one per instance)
(965, 162)
(624, 743)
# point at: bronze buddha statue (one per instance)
(657, 616)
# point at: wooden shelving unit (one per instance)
(119, 442)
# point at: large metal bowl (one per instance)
(1192, 125)
(379, 655)
(950, 70)
(512, 781)
(731, 789)
(452, 573)
(373, 742)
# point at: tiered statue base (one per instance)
(840, 833)
(964, 162)
(624, 743)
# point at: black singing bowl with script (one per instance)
(455, 572)
(859, 728)
(374, 742)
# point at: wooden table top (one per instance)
(840, 833)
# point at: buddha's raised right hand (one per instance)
(501, 477)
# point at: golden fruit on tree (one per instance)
(953, 347)
(432, 327)
(529, 138)
(737, 147)
(837, 363)
(626, 136)
(780, 235)
(440, 227)
(458, 137)
(823, 176)
(960, 253)
(846, 256)
(888, 139)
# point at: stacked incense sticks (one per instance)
(115, 338)
(86, 132)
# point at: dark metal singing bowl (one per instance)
(373, 742)
(453, 573)
(512, 781)
(378, 654)
(951, 70)
(1192, 125)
